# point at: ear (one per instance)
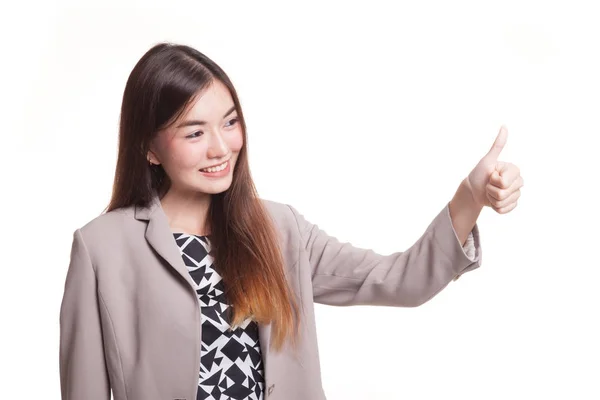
(152, 158)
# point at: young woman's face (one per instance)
(208, 134)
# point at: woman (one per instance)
(190, 286)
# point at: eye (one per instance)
(233, 121)
(193, 135)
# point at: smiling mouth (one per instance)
(217, 168)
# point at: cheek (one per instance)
(236, 141)
(184, 157)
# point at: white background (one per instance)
(365, 116)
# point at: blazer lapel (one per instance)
(264, 337)
(160, 237)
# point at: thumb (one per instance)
(498, 144)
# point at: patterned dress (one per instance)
(231, 364)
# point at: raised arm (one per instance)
(345, 275)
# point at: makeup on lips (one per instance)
(217, 171)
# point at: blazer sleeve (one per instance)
(345, 275)
(83, 372)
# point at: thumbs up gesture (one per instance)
(494, 183)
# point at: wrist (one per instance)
(465, 192)
(464, 211)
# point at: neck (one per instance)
(187, 213)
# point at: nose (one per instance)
(217, 146)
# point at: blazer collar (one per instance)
(160, 237)
(144, 213)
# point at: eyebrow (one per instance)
(197, 122)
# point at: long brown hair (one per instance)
(243, 237)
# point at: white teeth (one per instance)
(215, 169)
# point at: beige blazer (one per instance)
(130, 317)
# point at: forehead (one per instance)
(210, 103)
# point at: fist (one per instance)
(493, 183)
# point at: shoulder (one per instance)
(277, 210)
(284, 215)
(109, 226)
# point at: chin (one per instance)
(215, 188)
(212, 190)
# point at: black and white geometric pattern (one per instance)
(231, 361)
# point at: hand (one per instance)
(494, 183)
